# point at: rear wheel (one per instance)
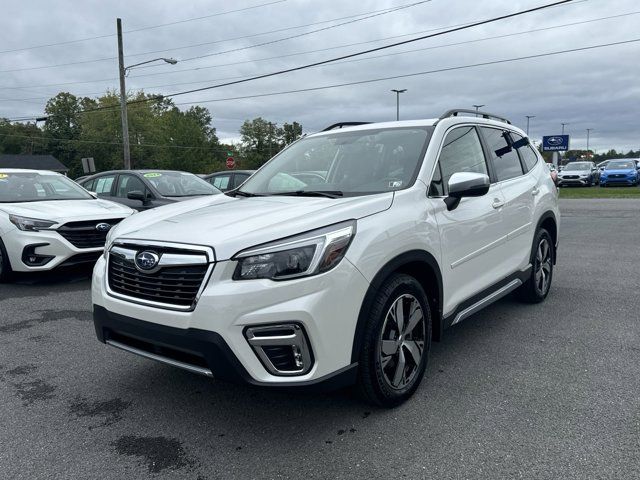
(536, 288)
(397, 340)
(5, 266)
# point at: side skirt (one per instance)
(487, 297)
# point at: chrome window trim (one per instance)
(208, 251)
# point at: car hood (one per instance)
(627, 171)
(231, 224)
(61, 211)
(575, 172)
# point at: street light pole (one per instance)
(588, 132)
(563, 124)
(123, 93)
(528, 118)
(478, 107)
(123, 101)
(398, 92)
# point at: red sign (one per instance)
(231, 163)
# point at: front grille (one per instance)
(617, 175)
(172, 285)
(85, 234)
(570, 177)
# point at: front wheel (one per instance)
(537, 286)
(396, 344)
(5, 266)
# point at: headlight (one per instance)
(300, 256)
(30, 224)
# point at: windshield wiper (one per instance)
(235, 193)
(313, 193)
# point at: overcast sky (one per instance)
(596, 89)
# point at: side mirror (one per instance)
(137, 195)
(466, 184)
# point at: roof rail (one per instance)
(344, 124)
(488, 116)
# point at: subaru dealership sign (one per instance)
(555, 143)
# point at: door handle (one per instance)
(497, 203)
(535, 191)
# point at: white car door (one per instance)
(471, 234)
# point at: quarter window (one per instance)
(527, 153)
(505, 158)
(461, 152)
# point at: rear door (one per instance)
(472, 234)
(518, 188)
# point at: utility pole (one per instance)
(588, 132)
(478, 107)
(563, 124)
(123, 100)
(398, 92)
(528, 118)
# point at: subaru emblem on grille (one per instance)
(147, 260)
(103, 227)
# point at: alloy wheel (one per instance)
(543, 266)
(402, 341)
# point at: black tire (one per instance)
(5, 266)
(375, 365)
(537, 286)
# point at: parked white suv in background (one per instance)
(415, 226)
(48, 221)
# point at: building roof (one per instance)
(34, 162)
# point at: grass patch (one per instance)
(599, 192)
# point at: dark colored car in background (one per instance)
(145, 189)
(229, 179)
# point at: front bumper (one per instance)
(574, 181)
(44, 244)
(631, 181)
(212, 337)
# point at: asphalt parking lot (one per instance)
(516, 391)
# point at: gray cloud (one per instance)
(592, 89)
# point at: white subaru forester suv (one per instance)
(340, 260)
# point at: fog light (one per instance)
(32, 259)
(283, 349)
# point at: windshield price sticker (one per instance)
(152, 175)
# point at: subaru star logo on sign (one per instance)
(103, 227)
(147, 260)
(555, 143)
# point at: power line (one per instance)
(371, 50)
(97, 142)
(394, 77)
(466, 42)
(67, 42)
(428, 72)
(95, 60)
(303, 34)
(174, 71)
(323, 62)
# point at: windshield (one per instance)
(36, 187)
(578, 166)
(353, 163)
(625, 165)
(179, 184)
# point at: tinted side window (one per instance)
(238, 178)
(526, 151)
(461, 152)
(129, 183)
(103, 184)
(88, 185)
(505, 158)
